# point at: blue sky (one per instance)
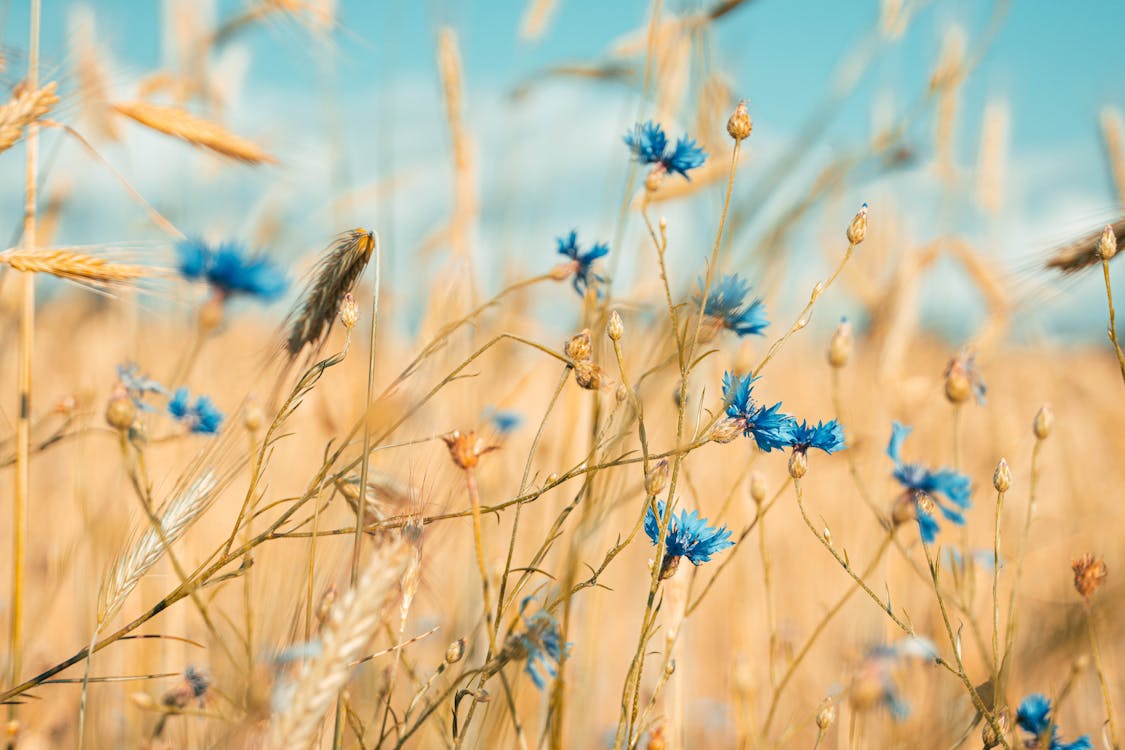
(554, 161)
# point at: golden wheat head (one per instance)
(195, 130)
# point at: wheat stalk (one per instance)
(197, 131)
(178, 516)
(73, 266)
(348, 632)
(26, 106)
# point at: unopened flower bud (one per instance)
(826, 715)
(1044, 420)
(654, 178)
(1002, 477)
(739, 125)
(840, 347)
(253, 416)
(958, 389)
(455, 651)
(857, 230)
(757, 487)
(656, 478)
(552, 478)
(621, 393)
(726, 430)
(615, 328)
(143, 701)
(1107, 244)
(988, 736)
(904, 509)
(670, 668)
(798, 464)
(349, 311)
(120, 412)
(578, 347)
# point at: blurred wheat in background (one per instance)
(612, 405)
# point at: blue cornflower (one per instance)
(772, 430)
(582, 262)
(924, 485)
(504, 421)
(726, 302)
(137, 384)
(1034, 717)
(540, 642)
(827, 436)
(689, 535)
(649, 145)
(874, 683)
(230, 270)
(201, 417)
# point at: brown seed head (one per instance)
(588, 375)
(1107, 243)
(1044, 421)
(1002, 477)
(840, 347)
(857, 230)
(988, 735)
(253, 416)
(466, 448)
(578, 347)
(1089, 574)
(739, 125)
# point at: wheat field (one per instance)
(371, 494)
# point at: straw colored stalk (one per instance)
(536, 18)
(183, 510)
(195, 130)
(993, 158)
(73, 266)
(26, 106)
(344, 640)
(93, 90)
(1113, 132)
(464, 193)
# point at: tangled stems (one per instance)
(1100, 669)
(1010, 633)
(959, 670)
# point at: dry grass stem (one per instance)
(197, 131)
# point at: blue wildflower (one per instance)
(924, 486)
(772, 430)
(726, 302)
(1034, 717)
(828, 437)
(230, 270)
(504, 421)
(689, 535)
(962, 378)
(137, 384)
(582, 262)
(874, 683)
(540, 642)
(201, 417)
(649, 145)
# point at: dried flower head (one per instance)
(988, 737)
(589, 376)
(466, 448)
(739, 124)
(826, 715)
(1089, 574)
(857, 230)
(578, 347)
(455, 651)
(349, 311)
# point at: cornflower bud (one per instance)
(857, 230)
(1002, 477)
(455, 652)
(798, 464)
(739, 125)
(1044, 420)
(349, 311)
(656, 478)
(615, 328)
(578, 347)
(120, 412)
(1107, 244)
(840, 347)
(826, 715)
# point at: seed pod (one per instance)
(739, 124)
(840, 347)
(120, 412)
(1044, 420)
(798, 464)
(615, 328)
(656, 479)
(1002, 477)
(578, 347)
(1107, 244)
(826, 715)
(857, 230)
(349, 311)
